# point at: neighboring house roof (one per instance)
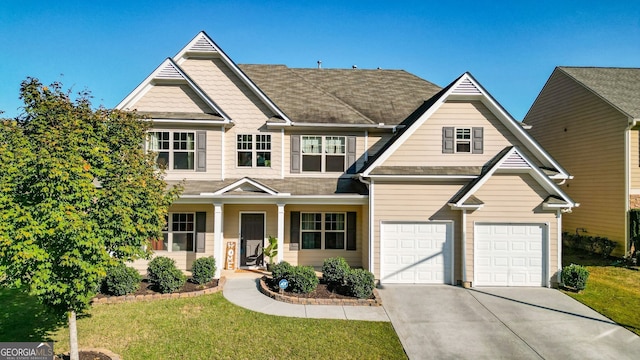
(618, 86)
(341, 96)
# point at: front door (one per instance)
(251, 239)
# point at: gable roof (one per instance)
(510, 159)
(342, 96)
(464, 87)
(618, 86)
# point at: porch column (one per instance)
(280, 256)
(218, 249)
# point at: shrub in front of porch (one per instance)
(281, 271)
(575, 276)
(360, 283)
(203, 270)
(302, 279)
(164, 274)
(335, 271)
(121, 280)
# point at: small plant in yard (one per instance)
(281, 271)
(203, 270)
(121, 280)
(575, 276)
(271, 250)
(302, 279)
(164, 274)
(360, 283)
(335, 271)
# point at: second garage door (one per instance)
(509, 254)
(417, 253)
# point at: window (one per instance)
(323, 153)
(323, 231)
(174, 150)
(247, 152)
(463, 140)
(178, 234)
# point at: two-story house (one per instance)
(415, 183)
(589, 119)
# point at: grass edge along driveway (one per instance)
(209, 327)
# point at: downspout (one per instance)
(465, 283)
(627, 185)
(559, 236)
(369, 184)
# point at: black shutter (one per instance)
(295, 227)
(351, 231)
(351, 154)
(447, 140)
(295, 153)
(476, 139)
(201, 153)
(201, 230)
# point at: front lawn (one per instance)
(209, 327)
(613, 291)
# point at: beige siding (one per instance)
(184, 259)
(376, 142)
(586, 136)
(424, 147)
(416, 202)
(171, 98)
(316, 257)
(512, 198)
(634, 161)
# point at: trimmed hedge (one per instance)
(575, 276)
(164, 274)
(121, 280)
(302, 279)
(203, 270)
(360, 283)
(593, 244)
(335, 271)
(281, 271)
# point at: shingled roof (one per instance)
(618, 86)
(345, 96)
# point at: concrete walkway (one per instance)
(242, 290)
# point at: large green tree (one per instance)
(78, 194)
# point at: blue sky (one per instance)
(511, 47)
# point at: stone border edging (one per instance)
(376, 301)
(148, 297)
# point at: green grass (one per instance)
(613, 291)
(209, 327)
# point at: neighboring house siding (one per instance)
(424, 147)
(634, 162)
(184, 259)
(585, 135)
(512, 198)
(172, 98)
(427, 201)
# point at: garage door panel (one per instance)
(422, 255)
(509, 254)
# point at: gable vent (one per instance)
(466, 87)
(515, 161)
(169, 72)
(202, 45)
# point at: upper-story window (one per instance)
(323, 153)
(254, 150)
(175, 150)
(462, 140)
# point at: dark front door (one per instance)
(251, 239)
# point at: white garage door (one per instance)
(509, 254)
(416, 253)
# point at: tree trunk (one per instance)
(73, 336)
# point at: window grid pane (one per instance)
(183, 141)
(311, 221)
(263, 142)
(335, 145)
(245, 142)
(312, 144)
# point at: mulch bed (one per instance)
(323, 291)
(147, 288)
(89, 355)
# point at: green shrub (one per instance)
(575, 276)
(360, 283)
(302, 279)
(203, 270)
(121, 280)
(164, 275)
(281, 271)
(335, 270)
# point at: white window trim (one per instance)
(170, 232)
(323, 231)
(171, 150)
(254, 150)
(323, 153)
(457, 141)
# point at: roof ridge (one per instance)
(331, 95)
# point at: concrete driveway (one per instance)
(448, 322)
